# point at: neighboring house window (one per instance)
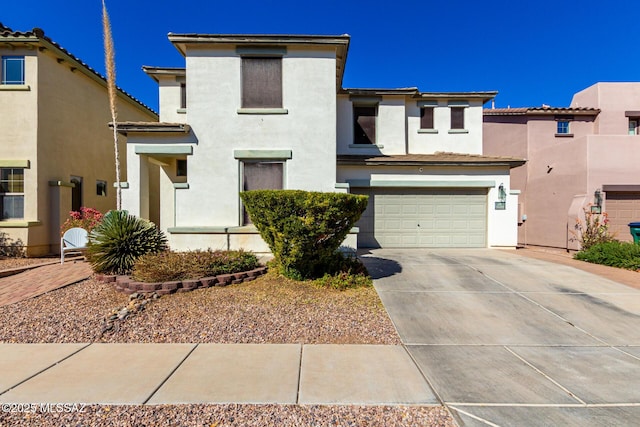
(426, 118)
(261, 82)
(262, 175)
(633, 125)
(13, 70)
(181, 167)
(183, 95)
(101, 188)
(364, 124)
(76, 193)
(563, 127)
(11, 193)
(457, 117)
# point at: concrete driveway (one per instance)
(512, 341)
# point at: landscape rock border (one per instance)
(129, 286)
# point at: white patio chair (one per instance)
(74, 240)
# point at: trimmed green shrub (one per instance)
(614, 254)
(304, 229)
(343, 280)
(119, 240)
(168, 265)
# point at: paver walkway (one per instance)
(40, 280)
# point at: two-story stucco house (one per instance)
(56, 152)
(585, 156)
(269, 111)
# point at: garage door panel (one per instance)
(424, 218)
(622, 208)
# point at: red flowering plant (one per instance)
(593, 230)
(86, 218)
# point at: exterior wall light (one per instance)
(596, 208)
(501, 204)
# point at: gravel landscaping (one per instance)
(9, 263)
(239, 415)
(269, 309)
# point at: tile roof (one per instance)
(544, 110)
(36, 35)
(439, 158)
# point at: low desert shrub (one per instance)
(10, 248)
(594, 229)
(87, 218)
(119, 240)
(304, 229)
(168, 265)
(614, 254)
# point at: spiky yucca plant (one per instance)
(120, 239)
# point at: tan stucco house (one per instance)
(56, 150)
(270, 111)
(585, 156)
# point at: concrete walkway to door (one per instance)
(512, 341)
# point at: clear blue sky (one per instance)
(530, 52)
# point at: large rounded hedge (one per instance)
(304, 229)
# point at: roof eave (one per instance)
(489, 163)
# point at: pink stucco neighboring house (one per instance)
(584, 155)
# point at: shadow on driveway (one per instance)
(379, 267)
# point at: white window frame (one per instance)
(7, 58)
(13, 194)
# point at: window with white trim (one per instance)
(11, 193)
(12, 70)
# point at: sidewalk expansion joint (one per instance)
(433, 389)
(299, 373)
(170, 374)
(45, 369)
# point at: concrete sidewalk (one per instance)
(211, 373)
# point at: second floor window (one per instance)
(183, 95)
(261, 82)
(426, 118)
(12, 70)
(457, 117)
(633, 125)
(563, 127)
(364, 124)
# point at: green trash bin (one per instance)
(634, 228)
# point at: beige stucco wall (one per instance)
(397, 126)
(60, 126)
(169, 96)
(308, 130)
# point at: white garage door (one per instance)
(622, 208)
(423, 218)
